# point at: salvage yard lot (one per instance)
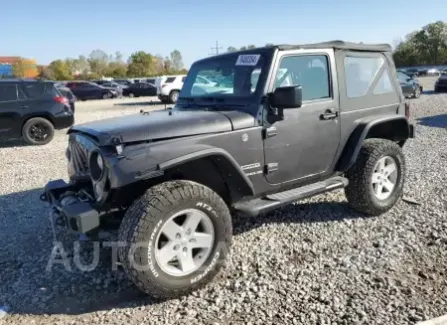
(316, 262)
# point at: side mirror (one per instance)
(286, 97)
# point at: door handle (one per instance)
(329, 115)
(24, 106)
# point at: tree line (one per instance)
(100, 64)
(425, 46)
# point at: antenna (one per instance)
(217, 48)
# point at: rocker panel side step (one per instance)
(273, 201)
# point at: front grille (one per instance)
(79, 148)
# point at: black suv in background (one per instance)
(32, 109)
(67, 93)
(84, 90)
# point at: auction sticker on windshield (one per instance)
(248, 59)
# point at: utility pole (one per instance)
(217, 48)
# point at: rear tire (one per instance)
(374, 184)
(157, 250)
(173, 96)
(417, 92)
(38, 131)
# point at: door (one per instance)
(303, 143)
(13, 106)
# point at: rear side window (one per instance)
(8, 92)
(170, 79)
(34, 90)
(183, 79)
(362, 72)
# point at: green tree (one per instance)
(167, 66)
(98, 61)
(269, 44)
(425, 46)
(141, 64)
(250, 47)
(60, 70)
(243, 48)
(45, 73)
(177, 60)
(231, 49)
(19, 68)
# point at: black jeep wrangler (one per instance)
(273, 125)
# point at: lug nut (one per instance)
(192, 240)
(176, 247)
(185, 249)
(188, 232)
(178, 236)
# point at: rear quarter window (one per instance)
(36, 89)
(170, 79)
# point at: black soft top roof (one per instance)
(341, 45)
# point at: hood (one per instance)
(163, 125)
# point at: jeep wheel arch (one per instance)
(394, 128)
(218, 163)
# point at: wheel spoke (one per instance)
(167, 253)
(202, 240)
(378, 189)
(171, 229)
(388, 185)
(391, 168)
(191, 222)
(381, 165)
(186, 261)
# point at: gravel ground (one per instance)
(318, 262)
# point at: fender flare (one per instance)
(208, 153)
(360, 133)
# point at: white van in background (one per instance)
(168, 87)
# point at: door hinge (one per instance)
(270, 168)
(270, 132)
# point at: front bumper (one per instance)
(68, 209)
(63, 121)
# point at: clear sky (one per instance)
(50, 29)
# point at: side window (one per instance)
(309, 71)
(8, 92)
(34, 90)
(170, 79)
(384, 85)
(361, 72)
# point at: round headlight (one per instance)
(96, 165)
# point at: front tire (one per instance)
(38, 131)
(376, 179)
(417, 92)
(175, 238)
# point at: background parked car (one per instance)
(67, 93)
(411, 88)
(32, 109)
(168, 88)
(412, 72)
(433, 72)
(84, 90)
(441, 84)
(140, 89)
(124, 82)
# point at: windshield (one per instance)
(228, 76)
